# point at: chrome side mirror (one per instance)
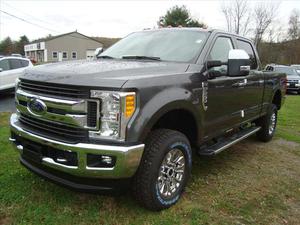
(238, 63)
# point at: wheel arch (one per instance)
(184, 119)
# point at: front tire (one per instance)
(164, 170)
(268, 125)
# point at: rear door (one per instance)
(5, 67)
(252, 92)
(224, 102)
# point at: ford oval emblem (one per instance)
(37, 107)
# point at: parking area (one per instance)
(7, 103)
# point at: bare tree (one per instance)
(237, 15)
(264, 15)
(294, 25)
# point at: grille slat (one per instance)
(53, 89)
(92, 114)
(54, 130)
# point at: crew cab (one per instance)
(11, 68)
(132, 117)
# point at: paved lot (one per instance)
(7, 103)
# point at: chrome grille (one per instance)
(293, 81)
(61, 118)
(52, 130)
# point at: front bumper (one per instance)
(293, 86)
(127, 157)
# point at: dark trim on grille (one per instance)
(53, 89)
(92, 114)
(54, 130)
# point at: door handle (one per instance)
(240, 84)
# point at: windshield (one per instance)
(169, 45)
(287, 70)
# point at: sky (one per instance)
(109, 18)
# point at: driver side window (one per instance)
(220, 52)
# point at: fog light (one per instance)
(99, 161)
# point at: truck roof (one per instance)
(209, 30)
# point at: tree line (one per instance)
(8, 46)
(274, 43)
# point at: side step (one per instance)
(227, 142)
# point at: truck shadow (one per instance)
(34, 187)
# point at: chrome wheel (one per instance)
(171, 174)
(272, 123)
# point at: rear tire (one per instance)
(268, 125)
(164, 170)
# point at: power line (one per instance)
(26, 21)
(35, 18)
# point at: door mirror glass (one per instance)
(98, 51)
(238, 63)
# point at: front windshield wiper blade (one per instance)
(105, 57)
(141, 57)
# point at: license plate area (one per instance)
(32, 152)
(33, 156)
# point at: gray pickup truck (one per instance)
(132, 117)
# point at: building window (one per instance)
(54, 55)
(74, 55)
(65, 55)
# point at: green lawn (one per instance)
(250, 183)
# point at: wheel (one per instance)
(164, 170)
(268, 125)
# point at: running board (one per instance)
(227, 142)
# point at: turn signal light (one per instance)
(130, 105)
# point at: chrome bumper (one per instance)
(127, 157)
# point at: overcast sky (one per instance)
(107, 18)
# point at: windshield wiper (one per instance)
(105, 57)
(141, 57)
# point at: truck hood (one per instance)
(293, 77)
(101, 73)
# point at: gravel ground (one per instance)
(7, 103)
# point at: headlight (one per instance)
(116, 108)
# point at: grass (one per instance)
(289, 119)
(250, 183)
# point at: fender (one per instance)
(160, 104)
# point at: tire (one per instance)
(150, 183)
(268, 125)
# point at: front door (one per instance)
(224, 103)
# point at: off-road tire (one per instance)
(265, 122)
(145, 182)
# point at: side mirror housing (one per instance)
(238, 63)
(98, 51)
(1, 69)
(213, 63)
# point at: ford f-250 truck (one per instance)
(132, 117)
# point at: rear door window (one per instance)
(248, 48)
(15, 63)
(24, 63)
(4, 65)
